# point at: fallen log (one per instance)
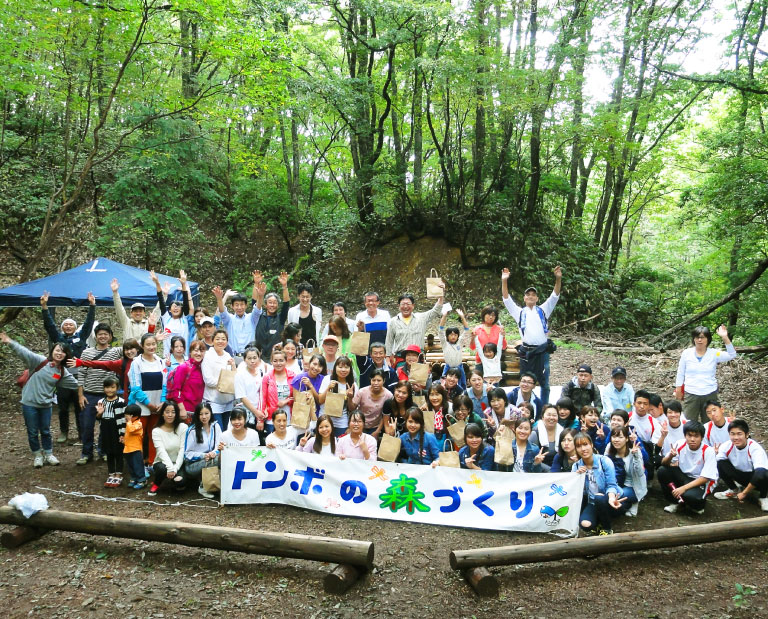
(621, 542)
(340, 579)
(20, 535)
(314, 548)
(482, 581)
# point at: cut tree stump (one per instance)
(20, 535)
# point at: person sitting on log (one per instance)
(688, 472)
(743, 465)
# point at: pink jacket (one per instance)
(188, 385)
(269, 391)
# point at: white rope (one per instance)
(120, 499)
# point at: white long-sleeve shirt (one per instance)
(169, 446)
(698, 375)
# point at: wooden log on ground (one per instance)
(340, 579)
(20, 535)
(326, 549)
(621, 542)
(482, 581)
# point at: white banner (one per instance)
(539, 502)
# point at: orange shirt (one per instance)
(134, 432)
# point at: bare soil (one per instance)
(72, 575)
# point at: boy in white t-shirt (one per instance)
(743, 465)
(647, 429)
(716, 429)
(672, 433)
(689, 471)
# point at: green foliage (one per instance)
(742, 595)
(162, 194)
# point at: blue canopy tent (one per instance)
(70, 288)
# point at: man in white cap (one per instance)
(137, 324)
(532, 322)
(76, 339)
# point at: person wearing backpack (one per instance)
(45, 374)
(532, 321)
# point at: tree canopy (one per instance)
(523, 132)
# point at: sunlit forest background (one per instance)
(623, 139)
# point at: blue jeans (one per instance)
(88, 423)
(38, 422)
(135, 462)
(223, 419)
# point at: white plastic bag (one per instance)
(29, 504)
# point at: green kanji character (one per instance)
(402, 493)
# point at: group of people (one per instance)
(259, 372)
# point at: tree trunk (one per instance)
(733, 294)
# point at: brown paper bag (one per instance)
(302, 410)
(334, 404)
(308, 351)
(211, 479)
(434, 286)
(418, 374)
(450, 457)
(359, 341)
(226, 382)
(419, 400)
(429, 421)
(503, 453)
(456, 430)
(389, 449)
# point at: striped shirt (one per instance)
(92, 379)
(114, 410)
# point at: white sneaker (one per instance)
(209, 495)
(38, 463)
(726, 494)
(50, 458)
(764, 504)
(672, 508)
(698, 511)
